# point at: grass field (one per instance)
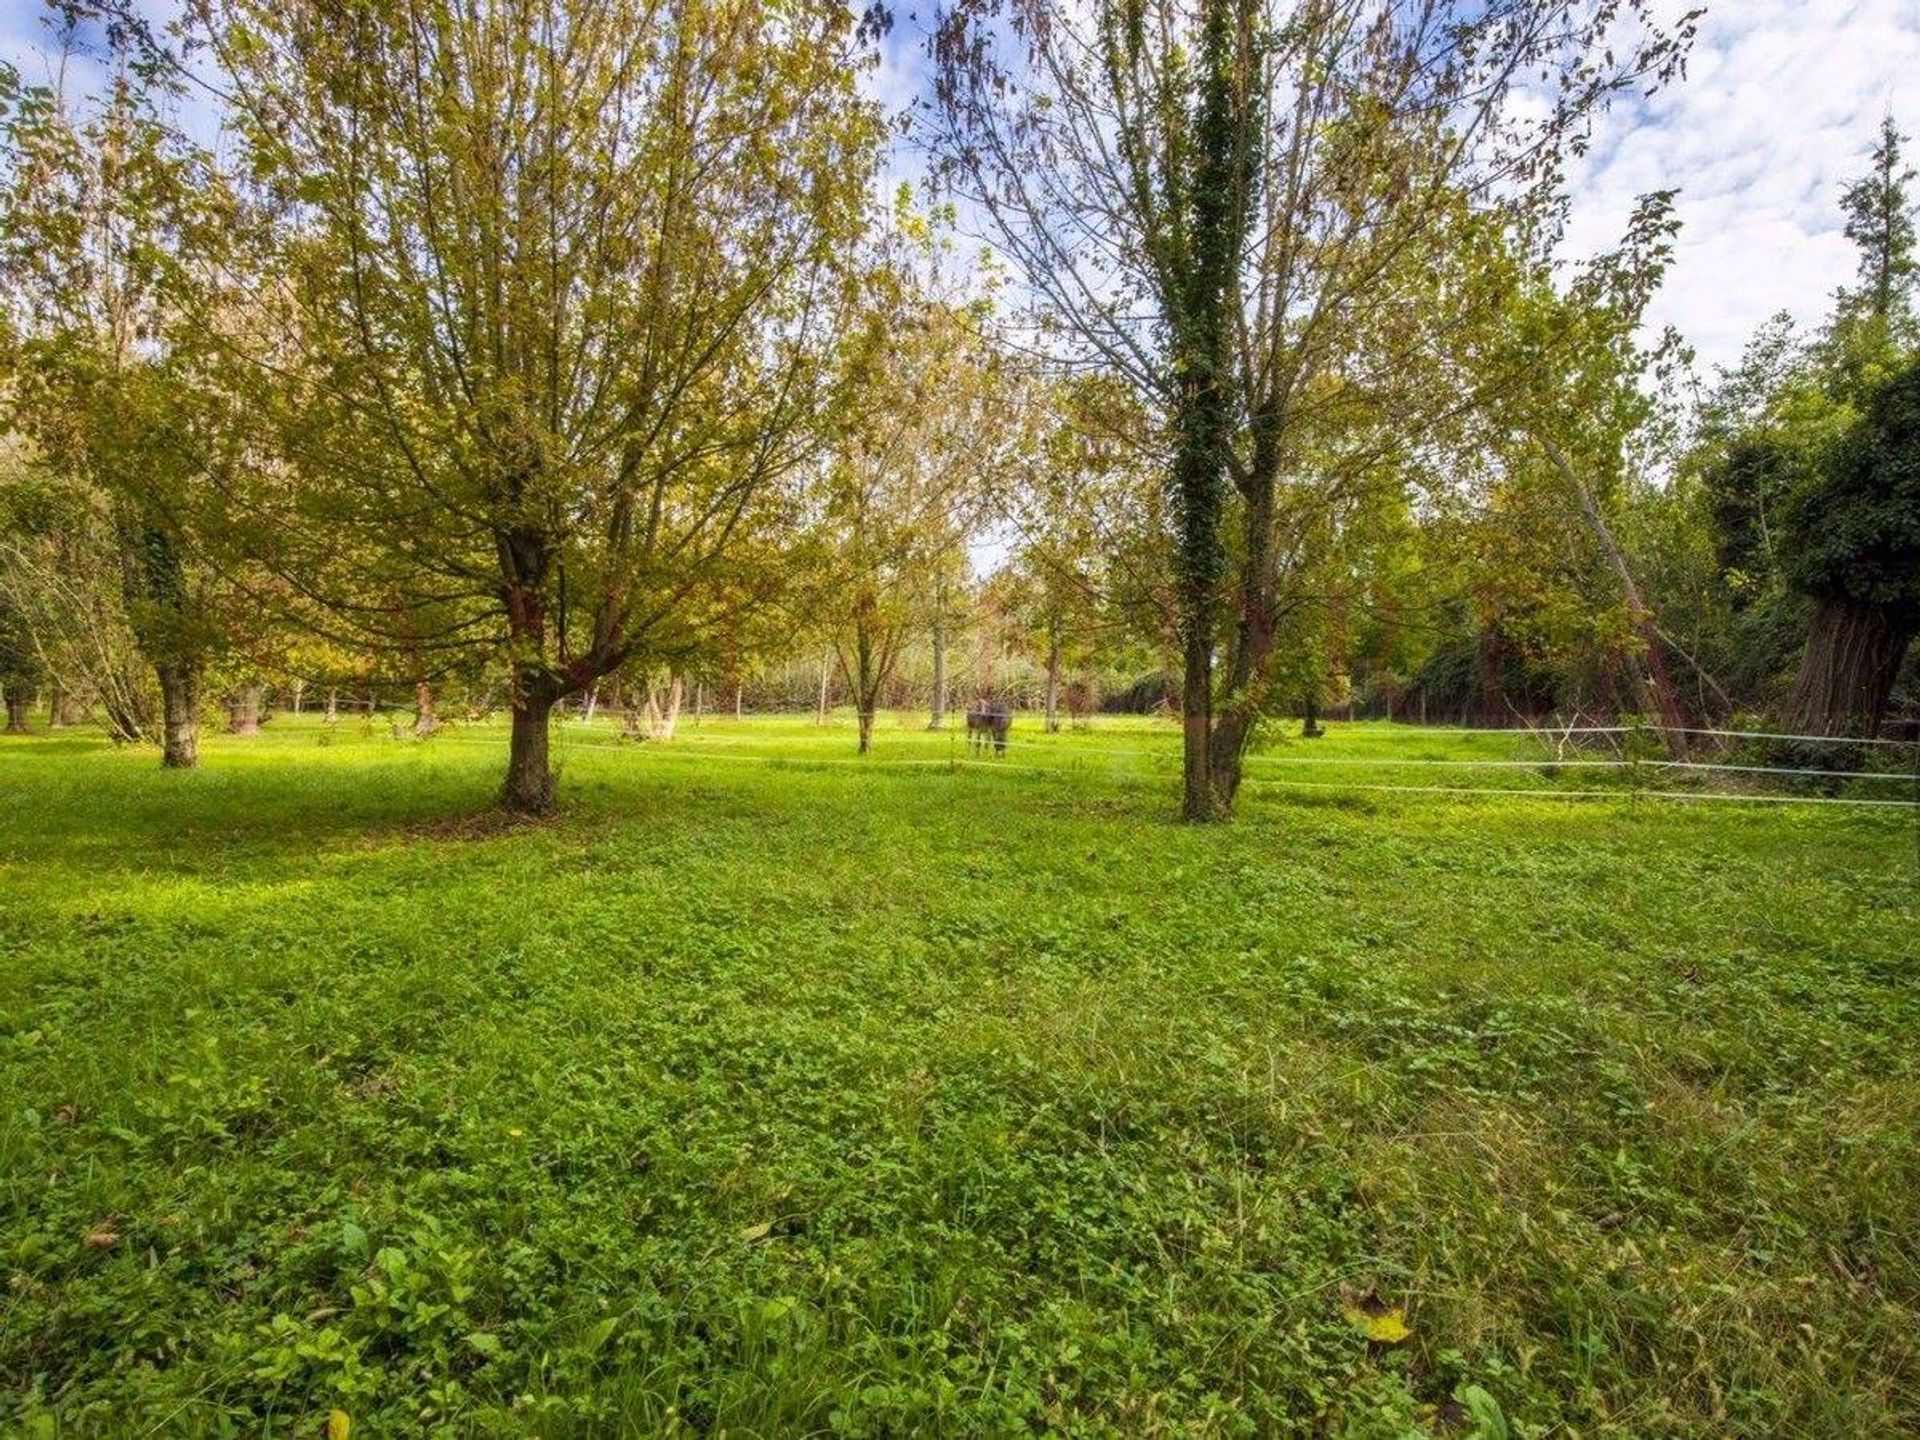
(766, 1093)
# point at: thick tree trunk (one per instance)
(180, 717)
(939, 717)
(1847, 672)
(17, 712)
(530, 782)
(866, 727)
(426, 718)
(1310, 726)
(333, 705)
(243, 713)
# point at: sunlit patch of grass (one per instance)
(770, 1091)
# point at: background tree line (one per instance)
(502, 355)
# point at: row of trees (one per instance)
(556, 351)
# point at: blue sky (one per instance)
(1779, 108)
(1777, 112)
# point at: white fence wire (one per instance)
(1076, 758)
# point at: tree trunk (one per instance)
(739, 711)
(243, 711)
(663, 710)
(1310, 727)
(938, 719)
(1196, 721)
(529, 785)
(1847, 672)
(826, 673)
(1653, 689)
(63, 709)
(1053, 675)
(17, 712)
(1253, 642)
(333, 705)
(592, 703)
(866, 728)
(180, 720)
(426, 719)
(1492, 654)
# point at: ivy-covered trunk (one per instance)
(1251, 654)
(1853, 656)
(1214, 188)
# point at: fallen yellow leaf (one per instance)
(1381, 1323)
(339, 1425)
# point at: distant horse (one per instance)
(989, 720)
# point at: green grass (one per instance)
(766, 1093)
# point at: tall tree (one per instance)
(1570, 372)
(1879, 214)
(1852, 527)
(910, 471)
(1242, 206)
(110, 261)
(1854, 541)
(60, 572)
(548, 331)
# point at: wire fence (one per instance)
(1637, 776)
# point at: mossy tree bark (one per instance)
(1853, 657)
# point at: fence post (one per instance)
(1633, 759)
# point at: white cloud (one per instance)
(1778, 111)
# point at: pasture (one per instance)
(766, 1092)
